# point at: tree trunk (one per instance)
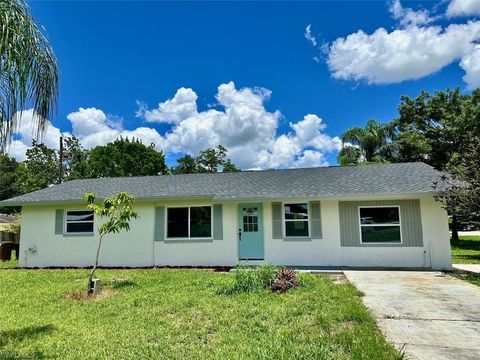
(454, 228)
(92, 273)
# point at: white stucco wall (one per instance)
(137, 247)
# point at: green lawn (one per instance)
(466, 250)
(180, 314)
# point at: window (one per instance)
(189, 222)
(250, 219)
(79, 222)
(380, 224)
(296, 220)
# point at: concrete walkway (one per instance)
(468, 267)
(435, 316)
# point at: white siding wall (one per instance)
(137, 248)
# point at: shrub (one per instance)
(249, 279)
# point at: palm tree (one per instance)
(363, 144)
(28, 71)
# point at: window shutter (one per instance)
(277, 226)
(315, 220)
(217, 222)
(159, 234)
(59, 221)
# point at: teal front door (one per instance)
(250, 231)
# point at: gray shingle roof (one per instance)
(326, 182)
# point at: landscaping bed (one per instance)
(182, 314)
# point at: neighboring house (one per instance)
(8, 241)
(368, 216)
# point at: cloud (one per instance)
(248, 130)
(90, 125)
(181, 106)
(411, 53)
(471, 64)
(463, 8)
(408, 16)
(241, 123)
(308, 35)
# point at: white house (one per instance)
(360, 216)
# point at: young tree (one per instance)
(28, 70)
(118, 211)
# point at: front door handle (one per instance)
(239, 234)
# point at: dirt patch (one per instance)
(338, 279)
(82, 295)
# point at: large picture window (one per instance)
(79, 222)
(296, 220)
(380, 224)
(189, 222)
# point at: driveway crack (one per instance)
(392, 317)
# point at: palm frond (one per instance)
(28, 71)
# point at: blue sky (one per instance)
(114, 56)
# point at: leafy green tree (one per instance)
(75, 159)
(187, 164)
(28, 70)
(363, 144)
(434, 128)
(211, 159)
(40, 170)
(228, 166)
(460, 191)
(118, 211)
(125, 157)
(8, 181)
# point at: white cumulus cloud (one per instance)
(408, 16)
(248, 130)
(241, 123)
(410, 53)
(471, 64)
(463, 8)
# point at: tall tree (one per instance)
(8, 180)
(75, 159)
(434, 128)
(28, 70)
(125, 157)
(187, 164)
(39, 170)
(363, 144)
(210, 160)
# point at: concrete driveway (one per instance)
(434, 315)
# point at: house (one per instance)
(364, 216)
(9, 241)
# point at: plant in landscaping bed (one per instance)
(271, 277)
(119, 212)
(285, 279)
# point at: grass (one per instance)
(472, 278)
(466, 250)
(181, 314)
